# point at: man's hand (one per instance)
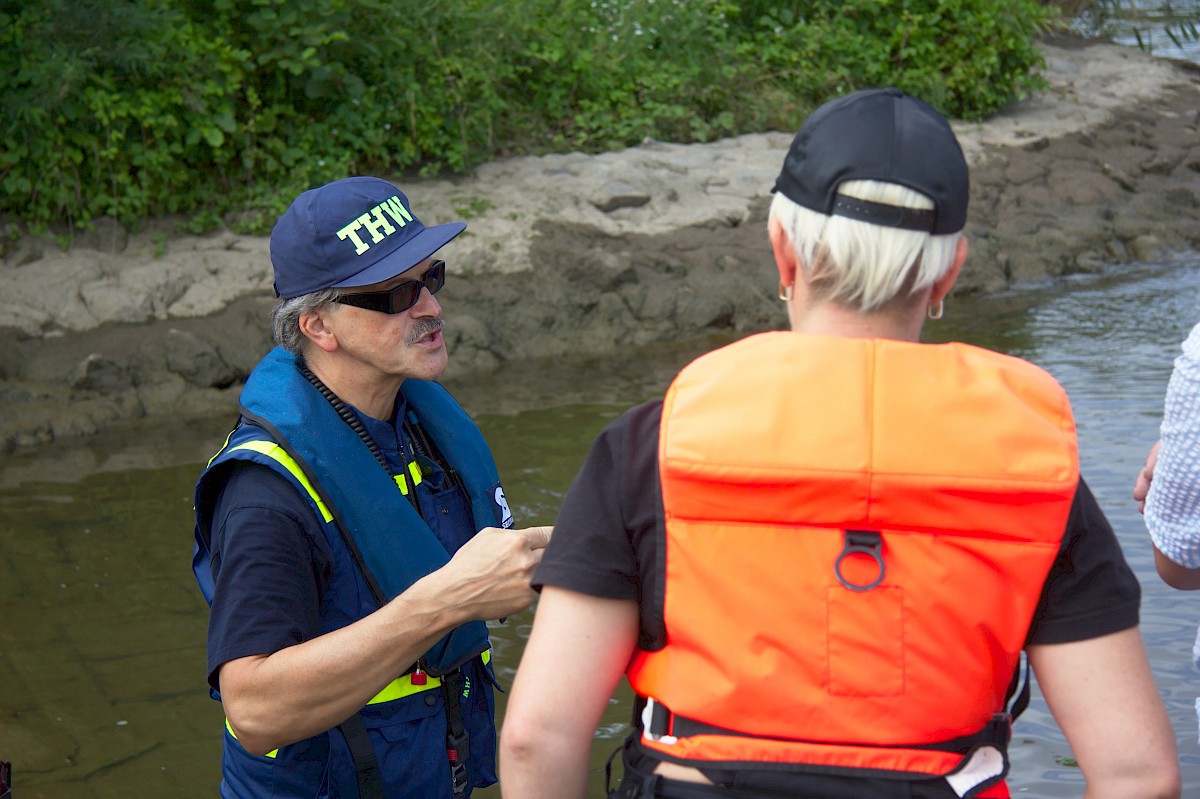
(1141, 486)
(489, 576)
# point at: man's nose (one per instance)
(426, 304)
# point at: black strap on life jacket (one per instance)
(639, 784)
(660, 721)
(458, 748)
(366, 767)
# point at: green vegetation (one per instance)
(135, 108)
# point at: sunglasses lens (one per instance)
(402, 297)
(435, 278)
(405, 296)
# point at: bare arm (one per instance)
(1168, 485)
(575, 657)
(297, 692)
(1174, 575)
(1103, 696)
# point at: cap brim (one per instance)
(413, 252)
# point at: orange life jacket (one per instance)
(857, 535)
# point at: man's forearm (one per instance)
(308, 688)
(302, 690)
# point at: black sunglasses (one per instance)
(399, 299)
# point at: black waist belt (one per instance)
(639, 784)
(660, 722)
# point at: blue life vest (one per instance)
(380, 545)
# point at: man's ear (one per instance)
(785, 253)
(942, 286)
(316, 328)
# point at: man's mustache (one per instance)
(423, 328)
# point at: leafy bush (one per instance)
(969, 58)
(132, 108)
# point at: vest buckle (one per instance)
(656, 722)
(861, 542)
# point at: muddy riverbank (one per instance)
(577, 254)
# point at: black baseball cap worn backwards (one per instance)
(884, 135)
(352, 232)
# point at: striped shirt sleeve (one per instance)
(1173, 504)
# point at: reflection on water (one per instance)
(102, 629)
(1166, 28)
(102, 639)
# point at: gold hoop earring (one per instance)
(785, 292)
(935, 311)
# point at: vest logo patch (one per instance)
(503, 513)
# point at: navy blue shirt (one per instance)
(271, 561)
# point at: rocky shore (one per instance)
(577, 254)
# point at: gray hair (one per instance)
(858, 264)
(285, 318)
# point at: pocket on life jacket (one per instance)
(299, 769)
(865, 641)
(451, 520)
(411, 744)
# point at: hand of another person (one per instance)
(490, 574)
(1141, 486)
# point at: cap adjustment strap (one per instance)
(923, 220)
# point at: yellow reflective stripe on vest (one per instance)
(398, 688)
(280, 456)
(414, 469)
(229, 727)
(403, 686)
(222, 449)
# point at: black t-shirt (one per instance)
(606, 539)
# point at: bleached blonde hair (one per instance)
(860, 265)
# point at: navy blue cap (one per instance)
(351, 232)
(884, 135)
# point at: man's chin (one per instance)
(432, 365)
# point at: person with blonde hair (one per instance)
(819, 559)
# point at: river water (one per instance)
(102, 628)
(1166, 28)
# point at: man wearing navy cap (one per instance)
(818, 560)
(352, 535)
